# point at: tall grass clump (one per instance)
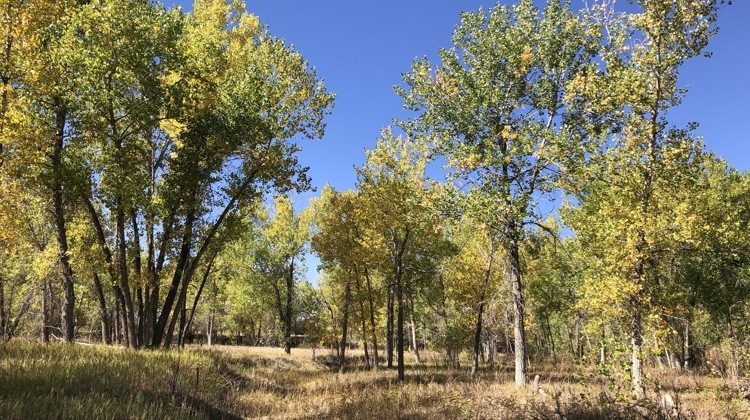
(76, 381)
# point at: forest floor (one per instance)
(80, 381)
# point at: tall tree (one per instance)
(243, 96)
(497, 107)
(288, 236)
(126, 48)
(400, 225)
(646, 161)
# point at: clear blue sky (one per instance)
(361, 48)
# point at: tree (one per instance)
(471, 276)
(497, 109)
(339, 241)
(242, 97)
(400, 226)
(286, 238)
(35, 133)
(648, 160)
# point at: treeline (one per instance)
(574, 219)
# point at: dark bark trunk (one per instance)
(372, 321)
(687, 348)
(155, 267)
(344, 326)
(124, 277)
(551, 339)
(138, 271)
(364, 335)
(400, 299)
(400, 327)
(10, 330)
(483, 293)
(46, 311)
(477, 340)
(3, 316)
(362, 317)
(122, 316)
(636, 329)
(116, 321)
(389, 327)
(198, 295)
(211, 328)
(178, 309)
(730, 324)
(102, 308)
(161, 322)
(58, 210)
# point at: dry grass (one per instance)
(97, 382)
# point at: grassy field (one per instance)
(76, 381)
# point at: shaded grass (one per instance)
(71, 381)
(64, 381)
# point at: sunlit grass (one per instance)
(73, 381)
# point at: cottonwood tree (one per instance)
(286, 239)
(496, 108)
(470, 278)
(341, 244)
(647, 163)
(713, 267)
(38, 81)
(243, 96)
(401, 228)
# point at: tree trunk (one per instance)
(372, 321)
(551, 340)
(102, 309)
(182, 260)
(414, 343)
(364, 337)
(400, 298)
(122, 316)
(288, 312)
(730, 324)
(46, 310)
(116, 321)
(124, 282)
(3, 316)
(491, 350)
(138, 271)
(363, 318)
(176, 314)
(58, 211)
(518, 306)
(183, 323)
(400, 327)
(211, 327)
(389, 327)
(636, 329)
(11, 329)
(198, 295)
(344, 327)
(155, 266)
(687, 351)
(637, 344)
(478, 330)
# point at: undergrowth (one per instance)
(75, 381)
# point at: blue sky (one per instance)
(361, 48)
